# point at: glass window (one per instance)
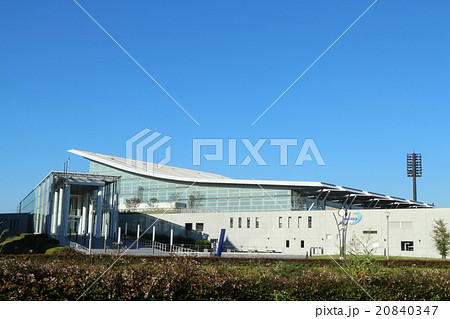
(240, 222)
(248, 222)
(280, 222)
(289, 222)
(299, 221)
(231, 222)
(287, 243)
(309, 221)
(256, 222)
(302, 244)
(199, 227)
(407, 245)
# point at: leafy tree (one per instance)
(441, 237)
(132, 203)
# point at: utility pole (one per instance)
(414, 170)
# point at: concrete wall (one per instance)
(404, 225)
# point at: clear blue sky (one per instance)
(381, 92)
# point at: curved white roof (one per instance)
(177, 174)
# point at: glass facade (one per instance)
(59, 204)
(221, 198)
(38, 204)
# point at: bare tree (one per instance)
(132, 203)
(195, 199)
(174, 197)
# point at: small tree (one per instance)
(362, 246)
(174, 197)
(152, 202)
(195, 199)
(132, 203)
(441, 237)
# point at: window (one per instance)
(369, 232)
(199, 227)
(256, 222)
(299, 221)
(240, 222)
(287, 243)
(328, 236)
(280, 222)
(231, 222)
(289, 221)
(309, 221)
(302, 244)
(248, 222)
(188, 228)
(407, 245)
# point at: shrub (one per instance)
(62, 250)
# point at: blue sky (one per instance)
(381, 92)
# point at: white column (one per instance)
(137, 236)
(90, 217)
(55, 212)
(60, 208)
(98, 225)
(84, 212)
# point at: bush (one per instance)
(28, 244)
(66, 277)
(62, 250)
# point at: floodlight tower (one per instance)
(414, 169)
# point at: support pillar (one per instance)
(59, 212)
(84, 213)
(65, 212)
(98, 223)
(54, 222)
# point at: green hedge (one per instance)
(62, 250)
(65, 277)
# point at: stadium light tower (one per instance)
(414, 169)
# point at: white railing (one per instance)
(77, 246)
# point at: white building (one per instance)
(290, 217)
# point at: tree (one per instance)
(362, 246)
(174, 197)
(132, 203)
(441, 237)
(152, 202)
(194, 199)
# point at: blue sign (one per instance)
(355, 220)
